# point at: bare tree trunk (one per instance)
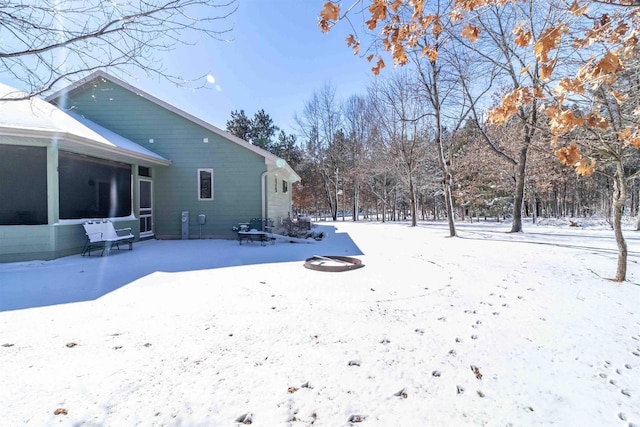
(516, 225)
(356, 202)
(412, 202)
(617, 207)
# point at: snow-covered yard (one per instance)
(489, 328)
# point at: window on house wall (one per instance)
(23, 185)
(144, 171)
(285, 186)
(93, 188)
(275, 181)
(205, 184)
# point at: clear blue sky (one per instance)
(277, 58)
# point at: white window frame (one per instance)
(285, 186)
(199, 180)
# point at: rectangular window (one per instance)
(205, 184)
(23, 185)
(285, 186)
(276, 184)
(93, 188)
(144, 171)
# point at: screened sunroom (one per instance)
(57, 170)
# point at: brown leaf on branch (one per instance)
(432, 54)
(577, 9)
(563, 121)
(372, 24)
(630, 137)
(455, 16)
(379, 65)
(570, 155)
(619, 96)
(547, 69)
(436, 26)
(352, 42)
(586, 167)
(378, 10)
(471, 32)
(399, 55)
(597, 122)
(549, 40)
(624, 135)
(609, 64)
(523, 37)
(569, 85)
(331, 11)
(511, 101)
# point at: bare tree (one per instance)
(402, 122)
(320, 124)
(46, 41)
(358, 117)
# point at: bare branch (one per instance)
(47, 41)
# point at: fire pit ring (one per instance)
(332, 263)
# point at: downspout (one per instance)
(263, 185)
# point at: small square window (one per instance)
(205, 184)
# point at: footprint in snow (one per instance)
(355, 418)
(402, 393)
(246, 418)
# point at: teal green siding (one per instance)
(237, 171)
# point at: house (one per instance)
(102, 148)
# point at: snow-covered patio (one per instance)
(486, 329)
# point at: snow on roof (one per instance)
(116, 139)
(36, 117)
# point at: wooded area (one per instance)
(497, 108)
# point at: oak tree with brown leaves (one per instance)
(603, 37)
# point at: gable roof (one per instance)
(272, 161)
(35, 119)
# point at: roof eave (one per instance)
(67, 140)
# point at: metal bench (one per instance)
(102, 234)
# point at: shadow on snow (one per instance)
(76, 278)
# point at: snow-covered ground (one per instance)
(489, 328)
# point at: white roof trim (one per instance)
(270, 159)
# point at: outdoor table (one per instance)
(255, 235)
